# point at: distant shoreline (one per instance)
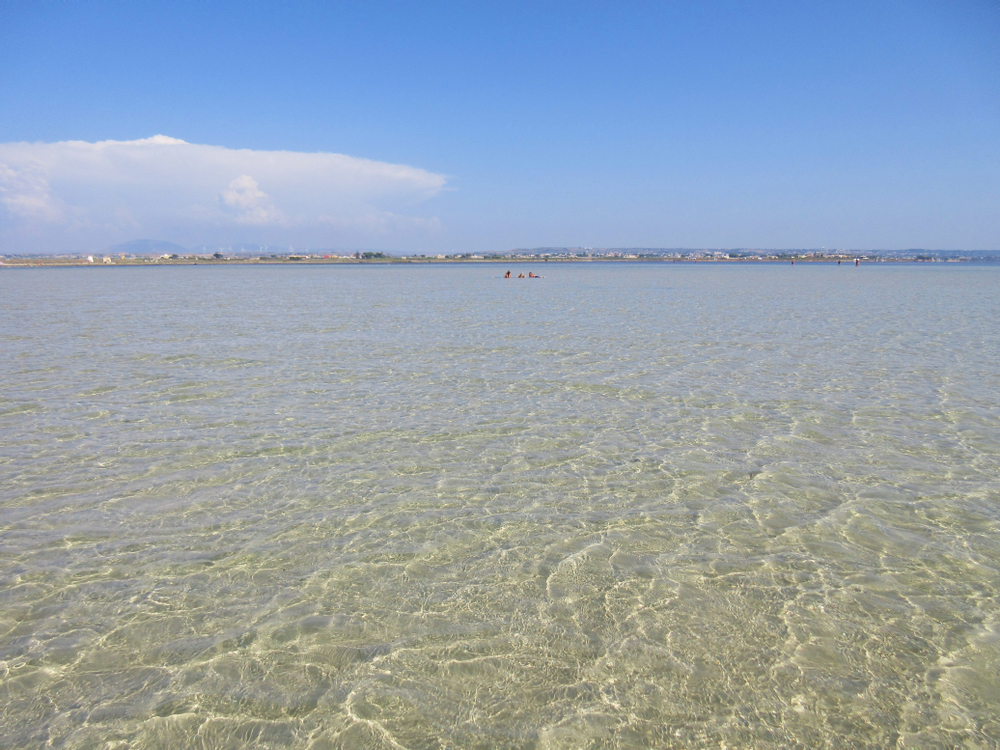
(159, 263)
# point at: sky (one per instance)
(440, 127)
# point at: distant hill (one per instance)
(146, 247)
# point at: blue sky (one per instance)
(484, 127)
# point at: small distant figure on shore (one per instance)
(857, 262)
(507, 275)
(532, 275)
(838, 262)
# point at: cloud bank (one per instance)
(77, 195)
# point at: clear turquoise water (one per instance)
(624, 506)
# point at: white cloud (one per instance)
(249, 204)
(76, 194)
(25, 193)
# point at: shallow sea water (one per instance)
(624, 506)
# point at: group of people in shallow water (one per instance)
(522, 276)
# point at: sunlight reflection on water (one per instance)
(627, 505)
